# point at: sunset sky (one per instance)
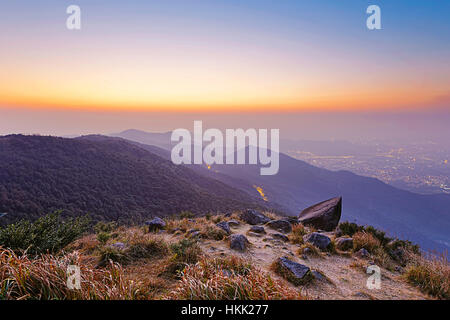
(230, 55)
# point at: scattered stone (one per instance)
(267, 246)
(192, 231)
(280, 225)
(344, 244)
(307, 251)
(239, 242)
(195, 234)
(254, 217)
(362, 253)
(294, 272)
(319, 240)
(224, 226)
(227, 215)
(118, 246)
(155, 224)
(324, 215)
(233, 223)
(280, 236)
(317, 275)
(257, 229)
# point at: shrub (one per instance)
(349, 228)
(298, 231)
(212, 279)
(103, 226)
(212, 232)
(103, 237)
(431, 275)
(365, 240)
(185, 252)
(48, 234)
(187, 215)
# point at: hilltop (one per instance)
(108, 178)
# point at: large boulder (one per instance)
(319, 240)
(324, 215)
(254, 217)
(239, 242)
(294, 272)
(224, 226)
(280, 225)
(155, 224)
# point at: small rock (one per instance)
(319, 240)
(195, 234)
(155, 224)
(280, 236)
(362, 253)
(317, 275)
(118, 246)
(254, 217)
(239, 242)
(224, 226)
(344, 244)
(233, 223)
(294, 272)
(192, 231)
(280, 225)
(307, 251)
(258, 229)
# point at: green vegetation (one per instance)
(48, 234)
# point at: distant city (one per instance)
(418, 167)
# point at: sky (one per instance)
(140, 59)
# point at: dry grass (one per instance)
(206, 226)
(365, 240)
(229, 279)
(431, 275)
(45, 278)
(314, 251)
(298, 231)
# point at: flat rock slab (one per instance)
(324, 215)
(292, 271)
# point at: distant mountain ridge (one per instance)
(106, 177)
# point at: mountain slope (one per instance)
(108, 178)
